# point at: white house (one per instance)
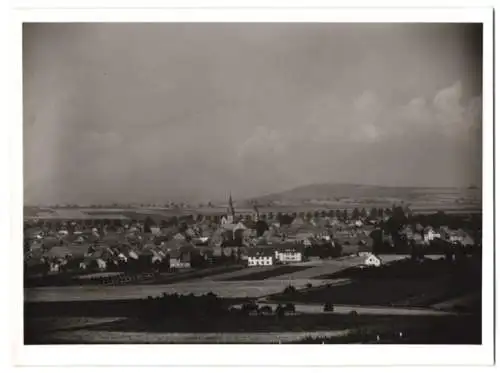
(260, 257)
(260, 260)
(54, 267)
(373, 261)
(430, 234)
(101, 264)
(98, 262)
(122, 257)
(288, 256)
(132, 254)
(155, 231)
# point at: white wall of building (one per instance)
(260, 261)
(288, 256)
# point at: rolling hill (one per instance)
(356, 193)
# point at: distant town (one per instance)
(256, 260)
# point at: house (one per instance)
(239, 226)
(180, 259)
(179, 237)
(289, 252)
(92, 262)
(155, 230)
(307, 242)
(289, 256)
(58, 252)
(201, 241)
(456, 236)
(190, 232)
(173, 245)
(132, 254)
(373, 261)
(430, 234)
(364, 252)
(79, 240)
(298, 222)
(358, 223)
(260, 256)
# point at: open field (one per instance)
(242, 272)
(305, 198)
(468, 301)
(56, 323)
(119, 337)
(372, 292)
(238, 329)
(195, 274)
(324, 268)
(226, 289)
(271, 272)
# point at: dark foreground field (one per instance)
(416, 329)
(402, 283)
(125, 322)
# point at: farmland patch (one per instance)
(271, 272)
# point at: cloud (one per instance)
(211, 104)
(263, 142)
(366, 103)
(448, 109)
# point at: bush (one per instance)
(309, 285)
(328, 307)
(290, 289)
(266, 310)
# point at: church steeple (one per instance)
(230, 210)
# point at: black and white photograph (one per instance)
(253, 183)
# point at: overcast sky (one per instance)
(151, 112)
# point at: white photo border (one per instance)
(249, 355)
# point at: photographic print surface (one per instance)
(252, 183)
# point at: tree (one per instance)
(261, 226)
(408, 210)
(373, 214)
(355, 214)
(265, 310)
(280, 310)
(378, 240)
(345, 215)
(363, 213)
(290, 289)
(147, 224)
